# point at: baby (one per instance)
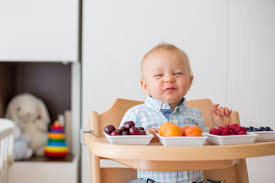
(166, 78)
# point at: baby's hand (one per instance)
(153, 131)
(220, 115)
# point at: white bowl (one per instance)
(129, 139)
(264, 136)
(231, 139)
(182, 140)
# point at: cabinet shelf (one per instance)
(44, 171)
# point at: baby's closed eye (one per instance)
(178, 73)
(157, 75)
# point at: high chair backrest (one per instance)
(112, 116)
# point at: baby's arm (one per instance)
(220, 115)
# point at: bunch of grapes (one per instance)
(233, 129)
(128, 128)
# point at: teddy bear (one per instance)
(32, 117)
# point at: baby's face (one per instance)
(165, 77)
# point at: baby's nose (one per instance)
(169, 78)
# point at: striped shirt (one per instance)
(152, 114)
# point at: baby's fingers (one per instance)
(151, 131)
(155, 130)
(226, 111)
(216, 106)
(214, 110)
(221, 111)
(154, 139)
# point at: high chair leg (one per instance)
(242, 171)
(95, 168)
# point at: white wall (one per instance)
(118, 33)
(251, 72)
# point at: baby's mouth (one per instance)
(169, 89)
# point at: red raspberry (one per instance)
(227, 126)
(243, 129)
(220, 128)
(238, 129)
(220, 131)
(214, 131)
(233, 126)
(241, 133)
(225, 131)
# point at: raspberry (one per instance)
(243, 129)
(241, 133)
(220, 131)
(233, 126)
(225, 131)
(220, 128)
(238, 129)
(214, 131)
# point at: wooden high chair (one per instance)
(219, 162)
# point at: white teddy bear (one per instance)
(32, 116)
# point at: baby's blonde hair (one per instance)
(168, 47)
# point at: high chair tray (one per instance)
(160, 158)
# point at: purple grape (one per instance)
(128, 124)
(109, 128)
(134, 131)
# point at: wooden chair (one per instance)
(237, 173)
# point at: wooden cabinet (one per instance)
(37, 37)
(58, 85)
(39, 30)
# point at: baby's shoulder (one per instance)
(137, 108)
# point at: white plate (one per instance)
(264, 136)
(231, 139)
(182, 141)
(129, 139)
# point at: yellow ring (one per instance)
(56, 149)
(56, 136)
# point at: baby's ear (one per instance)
(145, 87)
(190, 81)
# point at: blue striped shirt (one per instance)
(152, 114)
